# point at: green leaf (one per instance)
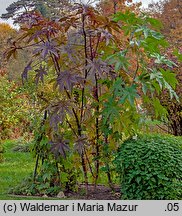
(154, 22)
(130, 94)
(144, 88)
(178, 54)
(160, 111)
(46, 176)
(156, 35)
(160, 59)
(138, 179)
(171, 91)
(170, 77)
(161, 80)
(64, 177)
(118, 86)
(127, 17)
(111, 110)
(156, 75)
(120, 60)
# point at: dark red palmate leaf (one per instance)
(40, 73)
(26, 70)
(80, 143)
(66, 80)
(59, 147)
(58, 112)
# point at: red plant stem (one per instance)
(86, 72)
(82, 103)
(97, 165)
(71, 127)
(38, 154)
(97, 132)
(89, 164)
(97, 45)
(114, 6)
(137, 67)
(82, 154)
(108, 167)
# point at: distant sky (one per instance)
(5, 3)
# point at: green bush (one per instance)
(150, 167)
(38, 188)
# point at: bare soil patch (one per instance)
(101, 192)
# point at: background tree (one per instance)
(16, 103)
(13, 70)
(108, 7)
(169, 12)
(7, 32)
(48, 8)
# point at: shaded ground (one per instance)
(100, 193)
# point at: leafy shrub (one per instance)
(38, 188)
(15, 110)
(21, 148)
(22, 145)
(43, 184)
(150, 167)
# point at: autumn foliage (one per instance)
(169, 12)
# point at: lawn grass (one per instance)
(15, 167)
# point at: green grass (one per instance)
(15, 167)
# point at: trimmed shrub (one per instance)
(150, 167)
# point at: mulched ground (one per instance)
(100, 193)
